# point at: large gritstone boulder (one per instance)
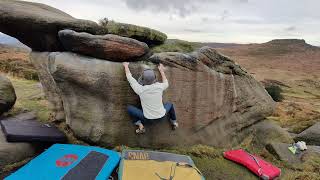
(311, 135)
(37, 25)
(144, 34)
(281, 152)
(110, 47)
(214, 98)
(7, 94)
(266, 132)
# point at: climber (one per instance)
(150, 92)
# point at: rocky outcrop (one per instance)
(311, 135)
(200, 60)
(214, 103)
(37, 25)
(144, 34)
(266, 132)
(7, 94)
(281, 152)
(109, 47)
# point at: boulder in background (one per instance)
(311, 135)
(7, 94)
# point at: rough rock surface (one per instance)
(52, 92)
(281, 152)
(311, 135)
(7, 94)
(266, 132)
(144, 34)
(109, 47)
(213, 103)
(37, 25)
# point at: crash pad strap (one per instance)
(88, 168)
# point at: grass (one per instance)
(308, 170)
(29, 98)
(300, 107)
(301, 92)
(175, 45)
(15, 61)
(18, 68)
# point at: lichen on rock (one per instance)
(144, 34)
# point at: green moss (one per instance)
(201, 151)
(144, 34)
(175, 45)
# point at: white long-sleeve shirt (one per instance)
(150, 97)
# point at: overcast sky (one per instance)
(239, 21)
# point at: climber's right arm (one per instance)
(164, 83)
(137, 88)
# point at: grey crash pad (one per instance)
(17, 129)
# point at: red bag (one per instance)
(258, 166)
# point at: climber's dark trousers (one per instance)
(137, 114)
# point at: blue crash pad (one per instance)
(65, 161)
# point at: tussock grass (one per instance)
(19, 68)
(300, 108)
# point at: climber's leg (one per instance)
(172, 115)
(137, 118)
